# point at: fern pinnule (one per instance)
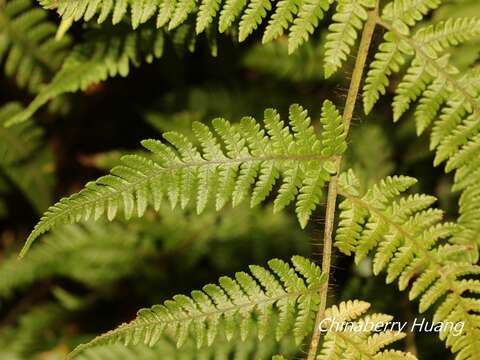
(239, 161)
(388, 60)
(280, 20)
(349, 18)
(293, 292)
(206, 13)
(299, 18)
(252, 17)
(403, 14)
(309, 14)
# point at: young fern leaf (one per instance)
(348, 19)
(343, 341)
(232, 307)
(229, 13)
(27, 44)
(105, 54)
(412, 245)
(246, 157)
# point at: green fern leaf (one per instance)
(142, 11)
(24, 160)
(227, 305)
(221, 349)
(411, 245)
(183, 174)
(73, 251)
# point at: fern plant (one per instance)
(288, 163)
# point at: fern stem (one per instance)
(353, 91)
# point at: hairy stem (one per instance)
(353, 91)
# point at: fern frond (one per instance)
(27, 44)
(427, 43)
(346, 337)
(413, 247)
(448, 33)
(247, 157)
(166, 10)
(349, 18)
(292, 291)
(105, 54)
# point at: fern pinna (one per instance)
(283, 298)
(293, 292)
(412, 245)
(246, 164)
